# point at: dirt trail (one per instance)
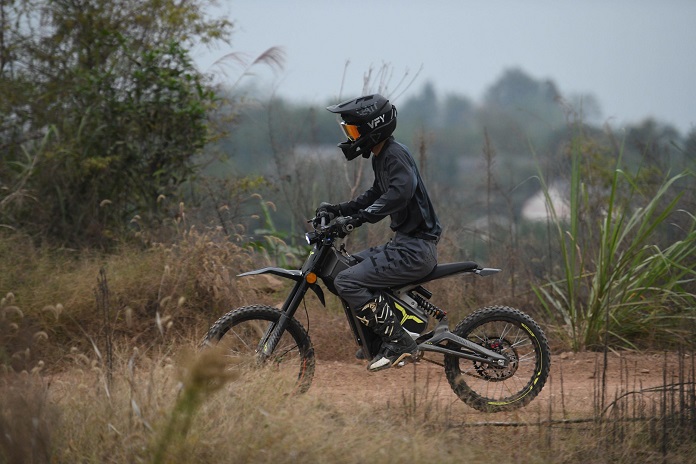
(570, 391)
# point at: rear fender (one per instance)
(292, 274)
(486, 271)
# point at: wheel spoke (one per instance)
(241, 333)
(513, 335)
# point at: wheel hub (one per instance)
(495, 373)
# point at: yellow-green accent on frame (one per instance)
(406, 315)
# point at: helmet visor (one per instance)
(350, 130)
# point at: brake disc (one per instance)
(492, 372)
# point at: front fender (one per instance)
(292, 274)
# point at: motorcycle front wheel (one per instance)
(239, 335)
(492, 388)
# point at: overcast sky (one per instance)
(637, 57)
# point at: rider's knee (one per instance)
(346, 285)
(341, 284)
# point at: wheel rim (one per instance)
(241, 346)
(502, 385)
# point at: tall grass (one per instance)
(617, 283)
(661, 419)
(177, 287)
(194, 407)
(166, 404)
(151, 403)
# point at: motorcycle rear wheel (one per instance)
(238, 334)
(492, 388)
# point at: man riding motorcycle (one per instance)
(398, 192)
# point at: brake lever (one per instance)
(319, 222)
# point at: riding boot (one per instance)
(397, 344)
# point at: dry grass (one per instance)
(186, 406)
(52, 294)
(160, 401)
(194, 410)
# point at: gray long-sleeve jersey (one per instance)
(398, 191)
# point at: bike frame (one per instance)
(439, 340)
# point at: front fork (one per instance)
(275, 330)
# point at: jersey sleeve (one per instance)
(401, 181)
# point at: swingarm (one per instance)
(432, 341)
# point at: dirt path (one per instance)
(570, 391)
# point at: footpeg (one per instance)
(411, 359)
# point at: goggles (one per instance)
(350, 130)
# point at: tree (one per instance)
(422, 111)
(654, 144)
(122, 111)
(690, 148)
(458, 111)
(518, 109)
(515, 89)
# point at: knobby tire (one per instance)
(240, 331)
(491, 388)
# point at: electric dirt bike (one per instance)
(495, 359)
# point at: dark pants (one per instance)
(401, 260)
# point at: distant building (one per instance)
(536, 208)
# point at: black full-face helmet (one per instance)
(366, 121)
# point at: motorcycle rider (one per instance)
(398, 192)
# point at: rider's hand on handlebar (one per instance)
(348, 223)
(328, 210)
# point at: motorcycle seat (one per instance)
(447, 269)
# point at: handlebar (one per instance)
(324, 230)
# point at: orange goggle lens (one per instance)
(351, 131)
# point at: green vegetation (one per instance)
(132, 191)
(621, 286)
(102, 113)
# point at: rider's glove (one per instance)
(329, 210)
(348, 223)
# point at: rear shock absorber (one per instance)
(428, 307)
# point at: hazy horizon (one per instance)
(634, 56)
